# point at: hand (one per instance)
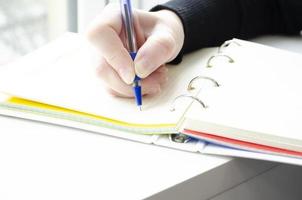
(159, 38)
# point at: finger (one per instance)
(153, 83)
(161, 75)
(150, 86)
(112, 80)
(117, 87)
(157, 50)
(116, 94)
(104, 35)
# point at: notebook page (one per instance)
(95, 128)
(259, 99)
(64, 75)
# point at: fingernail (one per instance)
(142, 68)
(127, 75)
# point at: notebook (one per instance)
(258, 106)
(245, 94)
(58, 84)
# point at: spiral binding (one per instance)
(182, 138)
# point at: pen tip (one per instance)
(140, 108)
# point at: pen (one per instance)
(127, 17)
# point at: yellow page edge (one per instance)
(24, 105)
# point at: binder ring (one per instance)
(231, 60)
(226, 44)
(179, 138)
(186, 96)
(190, 85)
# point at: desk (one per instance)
(42, 161)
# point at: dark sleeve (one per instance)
(211, 22)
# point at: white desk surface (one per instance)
(42, 161)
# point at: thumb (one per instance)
(157, 50)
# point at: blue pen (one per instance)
(131, 45)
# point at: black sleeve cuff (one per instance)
(206, 22)
(209, 23)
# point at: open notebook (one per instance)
(258, 100)
(63, 74)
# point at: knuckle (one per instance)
(90, 33)
(94, 31)
(166, 44)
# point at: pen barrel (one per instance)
(137, 89)
(127, 17)
(138, 93)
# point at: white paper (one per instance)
(260, 98)
(63, 74)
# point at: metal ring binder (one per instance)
(190, 87)
(182, 138)
(179, 138)
(226, 44)
(231, 60)
(186, 96)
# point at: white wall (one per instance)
(57, 16)
(88, 9)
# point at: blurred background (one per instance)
(26, 25)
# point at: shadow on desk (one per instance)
(241, 179)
